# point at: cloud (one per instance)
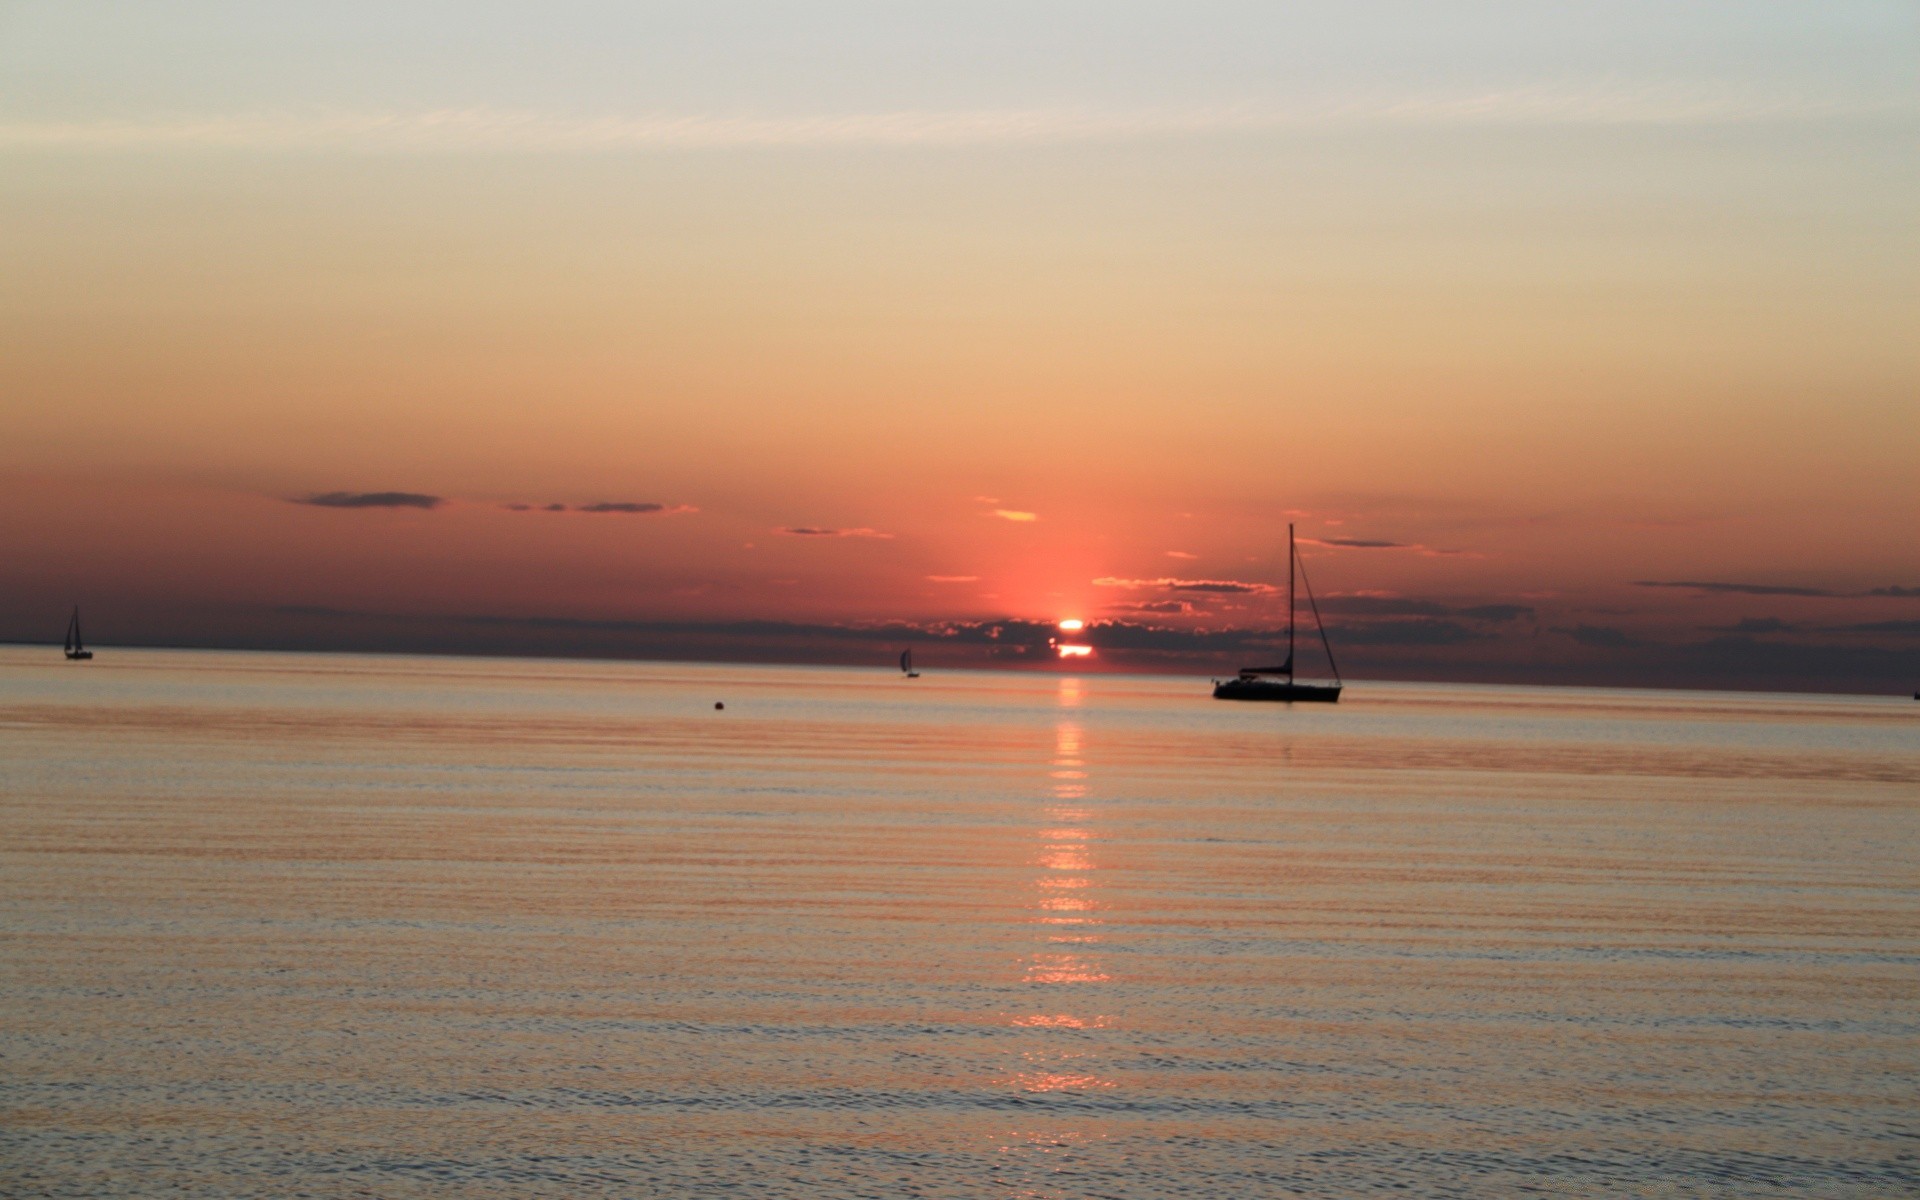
(1384, 544)
(640, 507)
(373, 500)
(1370, 606)
(1755, 625)
(1761, 626)
(1009, 514)
(1602, 637)
(1769, 589)
(634, 506)
(1897, 628)
(1220, 586)
(954, 578)
(1414, 631)
(1740, 589)
(816, 532)
(1163, 607)
(1362, 605)
(1181, 554)
(1495, 612)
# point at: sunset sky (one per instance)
(1580, 341)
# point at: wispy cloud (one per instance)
(484, 129)
(1361, 605)
(1716, 587)
(1181, 554)
(954, 578)
(1339, 543)
(1601, 637)
(634, 507)
(372, 500)
(1740, 589)
(1010, 514)
(1217, 586)
(1157, 607)
(813, 531)
(1755, 626)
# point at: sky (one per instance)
(1577, 341)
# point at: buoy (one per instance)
(717, 705)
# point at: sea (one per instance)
(285, 925)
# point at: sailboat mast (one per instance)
(1289, 599)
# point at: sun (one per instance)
(1070, 649)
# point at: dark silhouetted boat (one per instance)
(906, 665)
(76, 649)
(1278, 683)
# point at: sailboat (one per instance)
(1278, 683)
(76, 649)
(906, 665)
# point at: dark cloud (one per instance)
(1601, 637)
(1414, 631)
(1755, 625)
(1407, 606)
(1164, 607)
(1228, 587)
(1768, 589)
(1383, 606)
(641, 507)
(815, 531)
(1739, 589)
(1897, 628)
(1348, 543)
(373, 500)
(1495, 612)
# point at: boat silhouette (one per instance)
(76, 649)
(906, 665)
(1278, 683)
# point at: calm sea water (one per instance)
(288, 925)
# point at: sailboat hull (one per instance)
(79, 655)
(1274, 689)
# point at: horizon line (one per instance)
(1035, 667)
(481, 128)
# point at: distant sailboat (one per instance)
(1277, 683)
(906, 665)
(76, 649)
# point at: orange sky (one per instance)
(1549, 355)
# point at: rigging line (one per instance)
(1317, 622)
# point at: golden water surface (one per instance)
(290, 925)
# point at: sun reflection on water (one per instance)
(1066, 911)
